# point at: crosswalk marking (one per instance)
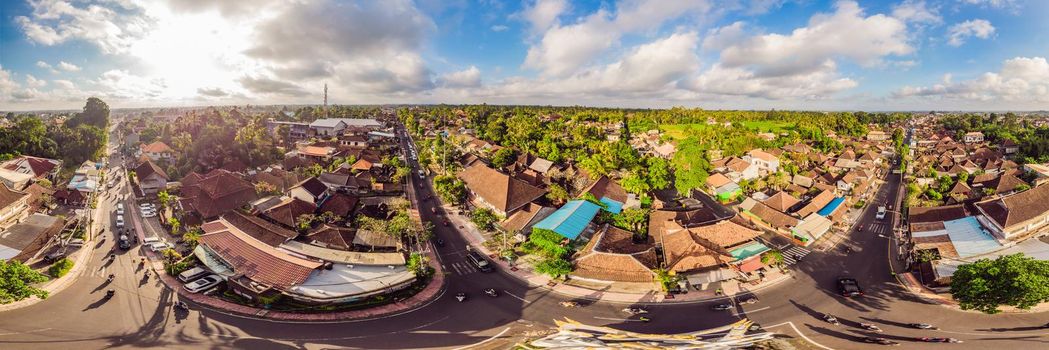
(463, 268)
(792, 252)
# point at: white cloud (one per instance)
(53, 22)
(43, 64)
(734, 81)
(32, 81)
(846, 33)
(563, 49)
(972, 28)
(999, 4)
(68, 67)
(499, 28)
(720, 38)
(64, 84)
(1022, 82)
(542, 14)
(470, 77)
(916, 11)
(7, 85)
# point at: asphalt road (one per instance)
(141, 316)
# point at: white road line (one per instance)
(751, 311)
(791, 324)
(26, 332)
(507, 329)
(456, 267)
(518, 298)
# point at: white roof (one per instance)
(326, 123)
(14, 176)
(344, 257)
(541, 165)
(967, 235)
(344, 281)
(813, 227)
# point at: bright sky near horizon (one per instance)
(742, 54)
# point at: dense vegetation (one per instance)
(16, 282)
(1033, 141)
(1013, 280)
(82, 137)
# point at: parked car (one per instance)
(150, 240)
(881, 213)
(479, 261)
(849, 287)
(192, 274)
(120, 208)
(120, 221)
(53, 257)
(203, 283)
(160, 246)
(148, 213)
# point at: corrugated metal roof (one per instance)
(611, 205)
(831, 207)
(571, 219)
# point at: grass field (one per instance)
(680, 131)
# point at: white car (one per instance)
(148, 213)
(120, 208)
(147, 206)
(157, 247)
(120, 221)
(881, 213)
(203, 283)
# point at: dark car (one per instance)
(53, 257)
(124, 243)
(848, 287)
(479, 261)
(721, 307)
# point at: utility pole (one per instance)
(325, 100)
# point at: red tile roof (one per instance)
(219, 192)
(288, 211)
(256, 260)
(257, 227)
(148, 168)
(500, 190)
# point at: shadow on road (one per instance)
(98, 303)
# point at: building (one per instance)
(23, 241)
(156, 151)
(329, 127)
(14, 179)
(572, 220)
(763, 160)
(206, 197)
(13, 206)
(1012, 216)
(295, 131)
(497, 191)
(973, 137)
(877, 135)
(151, 179)
(85, 178)
(613, 256)
(311, 190)
(522, 220)
(39, 168)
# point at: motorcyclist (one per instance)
(109, 293)
(461, 296)
(870, 327)
(490, 291)
(830, 318)
(111, 276)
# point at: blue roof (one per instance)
(831, 207)
(611, 205)
(571, 219)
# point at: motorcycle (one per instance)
(110, 293)
(721, 307)
(831, 319)
(181, 305)
(939, 340)
(569, 304)
(110, 278)
(460, 297)
(635, 310)
(870, 327)
(491, 292)
(749, 301)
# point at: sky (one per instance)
(715, 54)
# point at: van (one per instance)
(150, 240)
(192, 274)
(479, 261)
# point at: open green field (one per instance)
(680, 131)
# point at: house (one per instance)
(14, 179)
(686, 254)
(763, 160)
(39, 168)
(38, 197)
(811, 228)
(1008, 146)
(317, 153)
(85, 178)
(23, 241)
(759, 212)
(339, 204)
(609, 193)
(288, 211)
(366, 240)
(613, 256)
(737, 169)
(331, 237)
(13, 206)
(497, 191)
(782, 202)
(522, 220)
(280, 179)
(206, 197)
(151, 179)
(816, 203)
(311, 190)
(266, 232)
(973, 137)
(252, 268)
(570, 221)
(353, 141)
(348, 276)
(737, 240)
(1014, 215)
(877, 135)
(156, 151)
(327, 127)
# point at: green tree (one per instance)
(554, 267)
(304, 222)
(666, 279)
(484, 218)
(450, 189)
(96, 113)
(557, 194)
(503, 157)
(192, 237)
(659, 176)
(772, 257)
(418, 264)
(164, 199)
(634, 183)
(1013, 280)
(175, 225)
(16, 282)
(60, 268)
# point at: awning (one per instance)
(710, 277)
(751, 265)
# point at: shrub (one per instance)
(60, 268)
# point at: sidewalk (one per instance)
(476, 239)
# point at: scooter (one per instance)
(491, 292)
(110, 279)
(460, 297)
(870, 327)
(110, 293)
(922, 326)
(181, 305)
(569, 304)
(635, 310)
(831, 319)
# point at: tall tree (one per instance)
(1014, 280)
(16, 280)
